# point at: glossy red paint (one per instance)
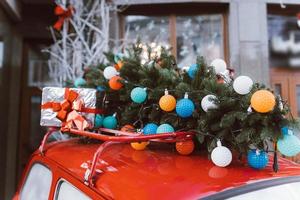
(156, 173)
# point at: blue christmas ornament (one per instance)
(138, 95)
(100, 88)
(150, 129)
(79, 82)
(185, 108)
(285, 130)
(289, 145)
(118, 57)
(192, 70)
(165, 128)
(257, 159)
(110, 122)
(98, 121)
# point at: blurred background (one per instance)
(258, 38)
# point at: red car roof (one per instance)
(158, 172)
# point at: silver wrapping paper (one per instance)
(56, 94)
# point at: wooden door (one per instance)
(286, 82)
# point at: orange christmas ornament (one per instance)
(167, 102)
(263, 101)
(119, 65)
(139, 145)
(185, 147)
(114, 83)
(128, 128)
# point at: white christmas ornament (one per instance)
(249, 110)
(110, 72)
(219, 65)
(226, 76)
(221, 156)
(242, 85)
(208, 103)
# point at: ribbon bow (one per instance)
(67, 110)
(63, 14)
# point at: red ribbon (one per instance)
(67, 112)
(62, 14)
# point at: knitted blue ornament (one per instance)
(138, 95)
(165, 128)
(118, 57)
(289, 145)
(185, 107)
(150, 129)
(192, 70)
(257, 159)
(98, 121)
(110, 122)
(79, 82)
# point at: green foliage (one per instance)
(230, 121)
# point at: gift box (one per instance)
(68, 107)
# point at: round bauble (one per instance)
(128, 128)
(138, 95)
(257, 159)
(110, 122)
(114, 83)
(98, 121)
(185, 147)
(167, 103)
(263, 101)
(192, 70)
(139, 145)
(119, 65)
(285, 130)
(150, 128)
(208, 102)
(100, 88)
(242, 85)
(79, 82)
(165, 128)
(109, 72)
(289, 145)
(185, 108)
(219, 65)
(118, 57)
(221, 156)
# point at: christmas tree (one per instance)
(146, 91)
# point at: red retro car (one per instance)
(74, 169)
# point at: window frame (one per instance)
(178, 9)
(63, 180)
(28, 171)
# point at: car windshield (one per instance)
(288, 191)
